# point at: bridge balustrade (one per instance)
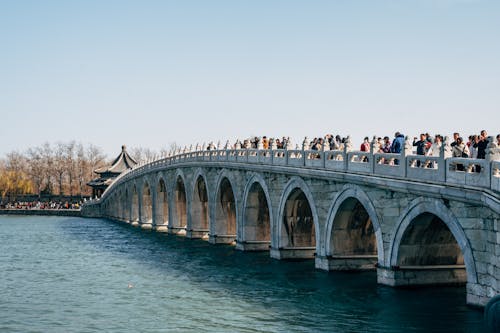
(495, 176)
(279, 157)
(468, 171)
(265, 157)
(358, 161)
(460, 171)
(314, 159)
(334, 160)
(252, 156)
(294, 158)
(426, 168)
(388, 164)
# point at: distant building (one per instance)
(108, 174)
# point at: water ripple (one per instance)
(92, 275)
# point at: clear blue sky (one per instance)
(148, 73)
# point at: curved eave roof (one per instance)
(100, 182)
(122, 163)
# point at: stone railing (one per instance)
(454, 171)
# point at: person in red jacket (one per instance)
(365, 146)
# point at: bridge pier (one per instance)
(146, 226)
(346, 262)
(197, 233)
(181, 231)
(160, 228)
(422, 275)
(292, 253)
(253, 245)
(221, 239)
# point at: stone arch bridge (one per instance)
(417, 220)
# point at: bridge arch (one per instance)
(119, 204)
(223, 226)
(255, 226)
(146, 203)
(353, 234)
(179, 216)
(297, 227)
(427, 226)
(126, 205)
(198, 225)
(134, 209)
(161, 213)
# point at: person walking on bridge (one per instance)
(397, 143)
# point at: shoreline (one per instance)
(42, 212)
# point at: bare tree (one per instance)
(48, 165)
(36, 168)
(141, 154)
(59, 166)
(70, 165)
(81, 168)
(66, 167)
(95, 159)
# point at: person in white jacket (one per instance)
(435, 148)
(460, 150)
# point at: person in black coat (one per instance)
(481, 145)
(421, 144)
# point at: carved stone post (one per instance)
(326, 144)
(375, 146)
(347, 149)
(492, 150)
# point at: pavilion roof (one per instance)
(121, 163)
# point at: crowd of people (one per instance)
(425, 144)
(41, 205)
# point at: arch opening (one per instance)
(180, 207)
(134, 218)
(298, 223)
(428, 241)
(429, 254)
(161, 208)
(146, 205)
(126, 207)
(199, 211)
(225, 215)
(352, 241)
(119, 209)
(257, 220)
(352, 231)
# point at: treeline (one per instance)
(52, 169)
(57, 169)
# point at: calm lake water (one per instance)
(94, 275)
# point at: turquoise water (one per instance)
(93, 275)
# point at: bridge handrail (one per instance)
(457, 171)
